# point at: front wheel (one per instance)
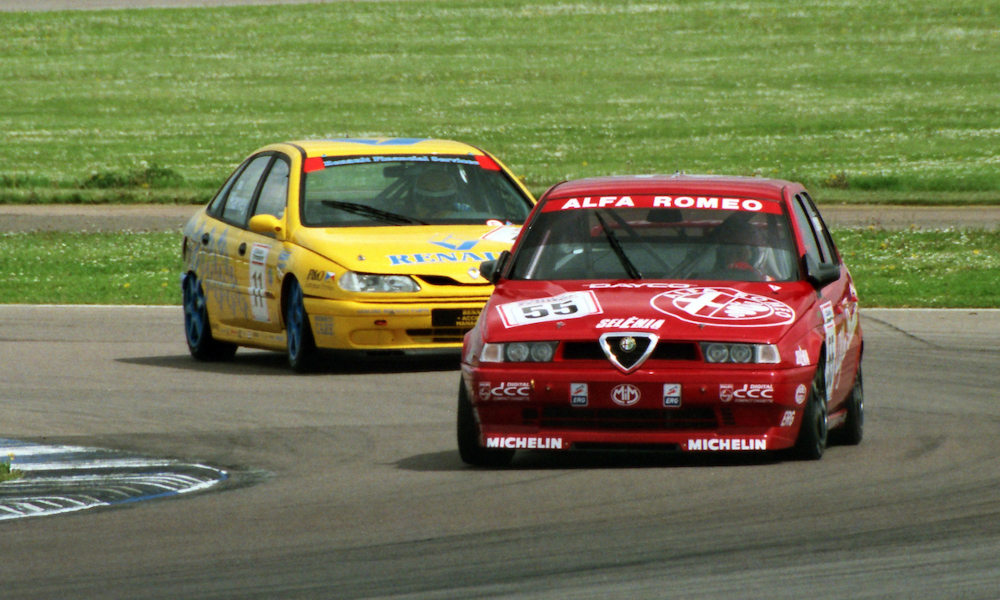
(303, 355)
(197, 328)
(468, 438)
(854, 425)
(813, 432)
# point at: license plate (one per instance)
(454, 317)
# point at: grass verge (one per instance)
(912, 268)
(8, 473)
(890, 101)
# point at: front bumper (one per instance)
(683, 408)
(350, 325)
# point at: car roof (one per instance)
(716, 185)
(383, 146)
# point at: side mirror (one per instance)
(268, 225)
(821, 274)
(491, 269)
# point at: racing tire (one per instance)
(852, 431)
(468, 438)
(813, 433)
(303, 356)
(198, 329)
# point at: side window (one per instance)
(241, 193)
(822, 233)
(215, 206)
(274, 192)
(805, 226)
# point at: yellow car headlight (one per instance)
(365, 282)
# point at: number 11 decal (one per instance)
(258, 291)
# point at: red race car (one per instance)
(707, 314)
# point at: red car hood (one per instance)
(574, 310)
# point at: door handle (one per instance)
(205, 238)
(243, 248)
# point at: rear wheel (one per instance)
(853, 430)
(303, 356)
(197, 328)
(813, 433)
(468, 438)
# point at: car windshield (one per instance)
(420, 190)
(659, 243)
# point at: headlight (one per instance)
(519, 352)
(363, 282)
(717, 352)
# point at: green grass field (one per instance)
(934, 269)
(884, 101)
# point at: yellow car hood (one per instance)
(416, 250)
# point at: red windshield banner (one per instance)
(644, 201)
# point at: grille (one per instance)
(439, 335)
(606, 447)
(445, 280)
(644, 419)
(663, 351)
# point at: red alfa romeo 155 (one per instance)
(707, 314)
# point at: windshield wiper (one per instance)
(630, 269)
(367, 211)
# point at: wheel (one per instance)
(468, 438)
(813, 433)
(197, 329)
(302, 353)
(854, 426)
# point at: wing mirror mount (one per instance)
(268, 225)
(491, 269)
(821, 275)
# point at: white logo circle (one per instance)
(723, 306)
(625, 394)
(800, 393)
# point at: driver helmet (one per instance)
(435, 191)
(741, 248)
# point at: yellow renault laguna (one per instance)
(347, 244)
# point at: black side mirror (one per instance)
(491, 269)
(821, 274)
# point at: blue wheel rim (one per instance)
(295, 318)
(194, 310)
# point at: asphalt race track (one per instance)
(347, 484)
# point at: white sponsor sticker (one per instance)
(717, 444)
(748, 392)
(630, 323)
(625, 394)
(505, 391)
(671, 395)
(505, 234)
(827, 309)
(571, 305)
(800, 394)
(723, 306)
(258, 286)
(802, 357)
(524, 442)
(788, 419)
(830, 328)
(578, 394)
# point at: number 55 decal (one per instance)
(571, 305)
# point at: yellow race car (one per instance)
(348, 244)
